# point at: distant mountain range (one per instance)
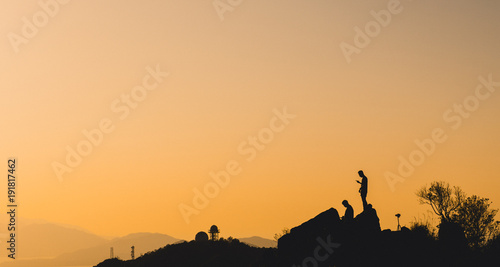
(260, 242)
(93, 253)
(50, 245)
(51, 240)
(142, 242)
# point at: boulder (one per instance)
(300, 244)
(367, 221)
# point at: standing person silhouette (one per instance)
(363, 190)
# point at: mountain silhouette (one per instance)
(259, 242)
(48, 240)
(143, 243)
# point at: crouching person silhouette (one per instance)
(349, 212)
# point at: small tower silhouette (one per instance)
(214, 233)
(111, 253)
(399, 226)
(132, 253)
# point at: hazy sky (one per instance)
(361, 81)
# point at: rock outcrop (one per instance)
(320, 241)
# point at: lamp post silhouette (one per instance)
(399, 226)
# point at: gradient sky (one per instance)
(225, 79)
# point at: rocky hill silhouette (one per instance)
(324, 240)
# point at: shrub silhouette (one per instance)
(461, 218)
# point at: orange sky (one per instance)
(230, 72)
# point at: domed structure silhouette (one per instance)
(201, 237)
(214, 233)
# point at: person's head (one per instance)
(369, 206)
(345, 203)
(361, 174)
